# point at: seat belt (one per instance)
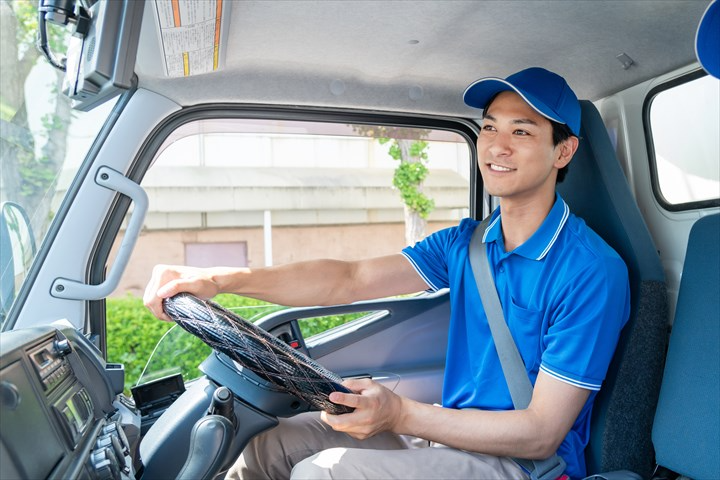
(513, 367)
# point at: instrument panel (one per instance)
(56, 406)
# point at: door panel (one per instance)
(404, 349)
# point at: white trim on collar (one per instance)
(489, 227)
(566, 214)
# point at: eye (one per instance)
(488, 128)
(521, 132)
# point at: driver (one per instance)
(563, 290)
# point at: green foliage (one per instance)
(407, 179)
(412, 171)
(27, 15)
(133, 333)
(314, 325)
(36, 174)
(410, 175)
(7, 112)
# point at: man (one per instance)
(564, 293)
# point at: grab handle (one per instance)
(75, 290)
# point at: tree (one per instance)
(410, 150)
(29, 179)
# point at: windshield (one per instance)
(43, 142)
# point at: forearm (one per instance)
(514, 433)
(533, 433)
(322, 282)
(316, 282)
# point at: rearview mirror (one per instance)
(101, 52)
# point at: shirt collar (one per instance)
(540, 243)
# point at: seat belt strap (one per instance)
(511, 362)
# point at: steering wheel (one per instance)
(264, 354)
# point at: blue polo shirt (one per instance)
(565, 296)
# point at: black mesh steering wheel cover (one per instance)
(252, 347)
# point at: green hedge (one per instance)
(133, 332)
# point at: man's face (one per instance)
(516, 156)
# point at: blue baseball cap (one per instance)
(546, 92)
(707, 40)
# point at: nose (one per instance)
(500, 144)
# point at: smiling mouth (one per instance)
(499, 168)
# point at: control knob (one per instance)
(62, 347)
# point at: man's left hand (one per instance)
(377, 409)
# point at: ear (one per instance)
(565, 151)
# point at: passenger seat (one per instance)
(686, 431)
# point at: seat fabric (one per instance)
(686, 432)
(597, 191)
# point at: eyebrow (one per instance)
(518, 121)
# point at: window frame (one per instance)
(466, 128)
(650, 144)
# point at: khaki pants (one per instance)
(303, 447)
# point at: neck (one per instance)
(520, 219)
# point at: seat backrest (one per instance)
(686, 432)
(597, 191)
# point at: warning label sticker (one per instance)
(190, 35)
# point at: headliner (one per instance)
(363, 54)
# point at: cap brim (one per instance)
(479, 93)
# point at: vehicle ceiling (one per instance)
(419, 56)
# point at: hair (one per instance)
(560, 133)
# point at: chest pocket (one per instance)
(526, 328)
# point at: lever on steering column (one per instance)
(223, 404)
(211, 438)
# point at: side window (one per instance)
(255, 193)
(314, 326)
(682, 122)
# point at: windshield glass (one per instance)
(43, 142)
(173, 349)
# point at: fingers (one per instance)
(357, 385)
(167, 281)
(160, 276)
(374, 409)
(346, 399)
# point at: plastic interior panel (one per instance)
(171, 433)
(70, 252)
(410, 342)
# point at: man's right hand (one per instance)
(169, 280)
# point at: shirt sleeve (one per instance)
(581, 339)
(430, 256)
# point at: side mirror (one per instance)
(17, 250)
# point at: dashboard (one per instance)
(59, 417)
(63, 415)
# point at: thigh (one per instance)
(421, 463)
(273, 453)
